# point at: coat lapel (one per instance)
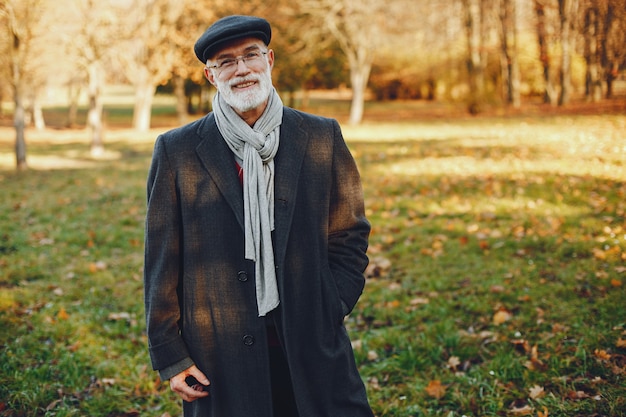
(288, 162)
(218, 160)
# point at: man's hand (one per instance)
(198, 388)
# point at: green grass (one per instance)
(519, 217)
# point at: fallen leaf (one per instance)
(621, 343)
(62, 314)
(521, 408)
(372, 355)
(536, 392)
(577, 395)
(616, 283)
(435, 389)
(602, 354)
(501, 316)
(373, 383)
(543, 413)
(53, 405)
(119, 316)
(454, 362)
(524, 410)
(419, 301)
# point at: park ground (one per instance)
(496, 285)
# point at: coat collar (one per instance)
(218, 162)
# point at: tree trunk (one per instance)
(19, 114)
(550, 96)
(611, 58)
(38, 119)
(73, 92)
(567, 9)
(593, 85)
(94, 115)
(510, 64)
(20, 126)
(144, 94)
(359, 75)
(181, 99)
(474, 61)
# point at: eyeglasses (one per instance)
(228, 65)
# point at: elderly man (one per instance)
(255, 245)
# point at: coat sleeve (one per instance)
(348, 227)
(162, 263)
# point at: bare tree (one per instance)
(89, 40)
(593, 83)
(360, 27)
(545, 38)
(567, 12)
(509, 53)
(473, 10)
(613, 41)
(149, 55)
(20, 18)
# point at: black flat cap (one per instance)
(228, 29)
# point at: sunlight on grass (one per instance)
(498, 270)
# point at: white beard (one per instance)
(248, 100)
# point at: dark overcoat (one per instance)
(200, 292)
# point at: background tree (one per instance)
(593, 83)
(509, 57)
(613, 42)
(360, 27)
(545, 39)
(187, 72)
(567, 13)
(149, 54)
(20, 19)
(89, 39)
(473, 17)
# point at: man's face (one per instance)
(247, 85)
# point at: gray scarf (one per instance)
(255, 148)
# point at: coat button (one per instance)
(242, 276)
(248, 340)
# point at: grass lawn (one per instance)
(496, 285)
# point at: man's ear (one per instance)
(209, 75)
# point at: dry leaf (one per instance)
(522, 411)
(418, 301)
(373, 383)
(577, 395)
(536, 392)
(435, 389)
(621, 343)
(108, 381)
(372, 355)
(602, 354)
(454, 362)
(543, 413)
(501, 316)
(62, 314)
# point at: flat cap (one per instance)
(228, 29)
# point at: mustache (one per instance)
(241, 80)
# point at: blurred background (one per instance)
(481, 54)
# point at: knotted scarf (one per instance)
(254, 148)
